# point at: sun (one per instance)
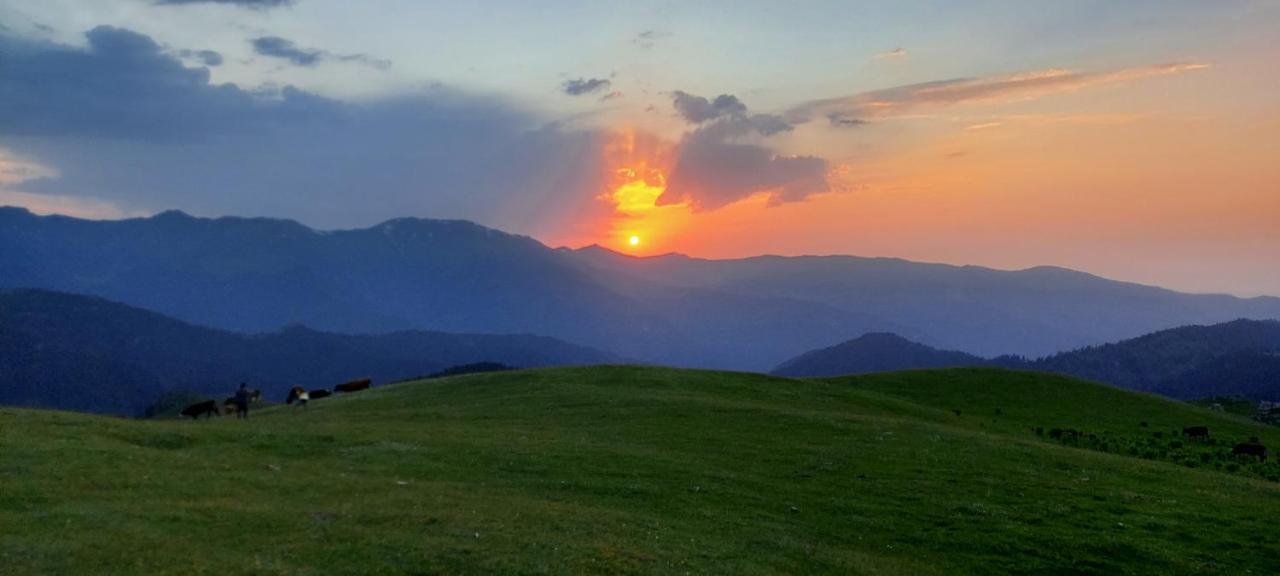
(634, 240)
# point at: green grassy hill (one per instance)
(644, 470)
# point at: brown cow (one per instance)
(354, 385)
(1250, 449)
(207, 408)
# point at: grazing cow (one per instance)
(1250, 449)
(298, 394)
(354, 385)
(1196, 432)
(207, 408)
(319, 393)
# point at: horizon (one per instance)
(619, 251)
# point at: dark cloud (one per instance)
(277, 47)
(585, 86)
(841, 120)
(697, 109)
(256, 4)
(206, 57)
(122, 120)
(718, 163)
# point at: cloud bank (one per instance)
(123, 121)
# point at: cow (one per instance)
(298, 394)
(319, 393)
(354, 386)
(1250, 449)
(207, 408)
(1196, 432)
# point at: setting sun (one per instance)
(637, 166)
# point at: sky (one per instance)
(1136, 140)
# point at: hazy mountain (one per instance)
(751, 314)
(259, 274)
(83, 353)
(874, 352)
(981, 311)
(1241, 357)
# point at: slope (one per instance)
(612, 470)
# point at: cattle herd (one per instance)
(298, 394)
(1251, 448)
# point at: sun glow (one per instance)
(637, 168)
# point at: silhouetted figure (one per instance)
(243, 396)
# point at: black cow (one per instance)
(1196, 432)
(319, 393)
(354, 385)
(1250, 449)
(207, 408)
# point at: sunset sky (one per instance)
(1137, 140)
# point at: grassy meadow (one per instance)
(620, 470)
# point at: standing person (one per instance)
(243, 396)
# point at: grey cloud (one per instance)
(697, 109)
(582, 86)
(713, 171)
(206, 57)
(277, 47)
(123, 85)
(124, 121)
(717, 164)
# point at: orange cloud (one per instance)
(991, 89)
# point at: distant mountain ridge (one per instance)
(85, 353)
(1033, 312)
(256, 275)
(1241, 357)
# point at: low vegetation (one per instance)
(614, 470)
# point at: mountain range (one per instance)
(88, 354)
(257, 275)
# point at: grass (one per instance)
(616, 470)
